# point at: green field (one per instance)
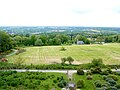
(110, 53)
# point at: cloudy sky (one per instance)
(60, 13)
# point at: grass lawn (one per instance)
(89, 84)
(110, 53)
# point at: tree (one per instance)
(38, 42)
(97, 62)
(44, 39)
(70, 60)
(63, 60)
(5, 42)
(19, 40)
(33, 39)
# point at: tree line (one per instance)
(8, 42)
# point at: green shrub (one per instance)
(104, 77)
(114, 77)
(117, 86)
(96, 70)
(62, 49)
(113, 88)
(104, 72)
(89, 77)
(88, 73)
(80, 84)
(62, 83)
(63, 60)
(80, 71)
(55, 81)
(109, 70)
(97, 62)
(111, 81)
(70, 59)
(98, 83)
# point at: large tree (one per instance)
(5, 42)
(38, 42)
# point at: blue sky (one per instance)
(60, 13)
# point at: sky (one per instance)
(100, 13)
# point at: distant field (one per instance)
(110, 53)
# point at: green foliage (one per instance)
(63, 60)
(70, 59)
(30, 80)
(114, 77)
(89, 77)
(111, 81)
(5, 42)
(117, 86)
(97, 62)
(61, 82)
(96, 70)
(80, 84)
(88, 73)
(98, 83)
(106, 71)
(62, 49)
(38, 42)
(80, 71)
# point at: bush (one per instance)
(62, 49)
(104, 72)
(70, 59)
(117, 86)
(98, 83)
(80, 84)
(104, 77)
(111, 81)
(62, 83)
(89, 77)
(113, 88)
(80, 71)
(63, 60)
(109, 70)
(97, 62)
(88, 73)
(96, 70)
(114, 77)
(55, 81)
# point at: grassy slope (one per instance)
(110, 53)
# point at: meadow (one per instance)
(110, 53)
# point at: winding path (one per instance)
(14, 52)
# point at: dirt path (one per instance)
(14, 52)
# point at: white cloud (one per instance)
(60, 12)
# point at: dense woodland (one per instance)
(8, 41)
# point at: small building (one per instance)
(80, 42)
